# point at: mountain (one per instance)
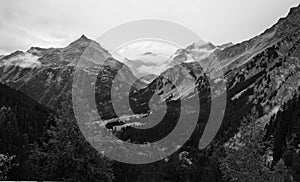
(31, 117)
(46, 75)
(196, 51)
(274, 45)
(261, 75)
(23, 123)
(223, 46)
(156, 63)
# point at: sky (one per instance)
(56, 23)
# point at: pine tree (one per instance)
(247, 159)
(67, 155)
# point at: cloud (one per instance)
(25, 60)
(4, 52)
(157, 70)
(138, 48)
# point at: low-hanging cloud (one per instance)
(25, 60)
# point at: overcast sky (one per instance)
(55, 23)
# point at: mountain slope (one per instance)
(261, 75)
(52, 78)
(31, 117)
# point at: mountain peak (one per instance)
(82, 40)
(202, 45)
(287, 24)
(16, 53)
(83, 37)
(35, 49)
(294, 13)
(225, 45)
(295, 9)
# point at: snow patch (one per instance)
(238, 95)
